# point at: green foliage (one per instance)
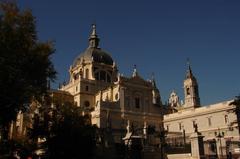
(72, 135)
(236, 102)
(68, 134)
(24, 61)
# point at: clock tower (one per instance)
(191, 93)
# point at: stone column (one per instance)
(197, 147)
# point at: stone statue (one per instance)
(174, 100)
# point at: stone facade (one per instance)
(125, 104)
(210, 119)
(24, 121)
(112, 99)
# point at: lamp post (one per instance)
(162, 136)
(219, 135)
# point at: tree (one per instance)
(236, 103)
(25, 64)
(68, 134)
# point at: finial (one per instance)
(94, 32)
(189, 70)
(93, 39)
(188, 64)
(134, 71)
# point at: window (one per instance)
(188, 91)
(209, 121)
(180, 126)
(194, 123)
(108, 78)
(87, 73)
(137, 102)
(76, 76)
(103, 76)
(86, 88)
(226, 119)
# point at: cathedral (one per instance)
(132, 103)
(111, 99)
(122, 105)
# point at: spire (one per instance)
(189, 70)
(93, 39)
(135, 71)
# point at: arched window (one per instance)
(226, 119)
(76, 76)
(188, 91)
(87, 73)
(103, 76)
(137, 102)
(108, 78)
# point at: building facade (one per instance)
(216, 122)
(118, 105)
(112, 100)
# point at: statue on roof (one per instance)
(174, 102)
(174, 99)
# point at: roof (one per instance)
(95, 55)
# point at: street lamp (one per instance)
(219, 135)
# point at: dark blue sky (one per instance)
(156, 35)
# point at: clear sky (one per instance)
(156, 35)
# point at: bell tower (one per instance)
(191, 93)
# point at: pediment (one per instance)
(137, 80)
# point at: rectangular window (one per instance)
(180, 126)
(209, 121)
(194, 123)
(137, 102)
(86, 88)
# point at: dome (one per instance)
(95, 55)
